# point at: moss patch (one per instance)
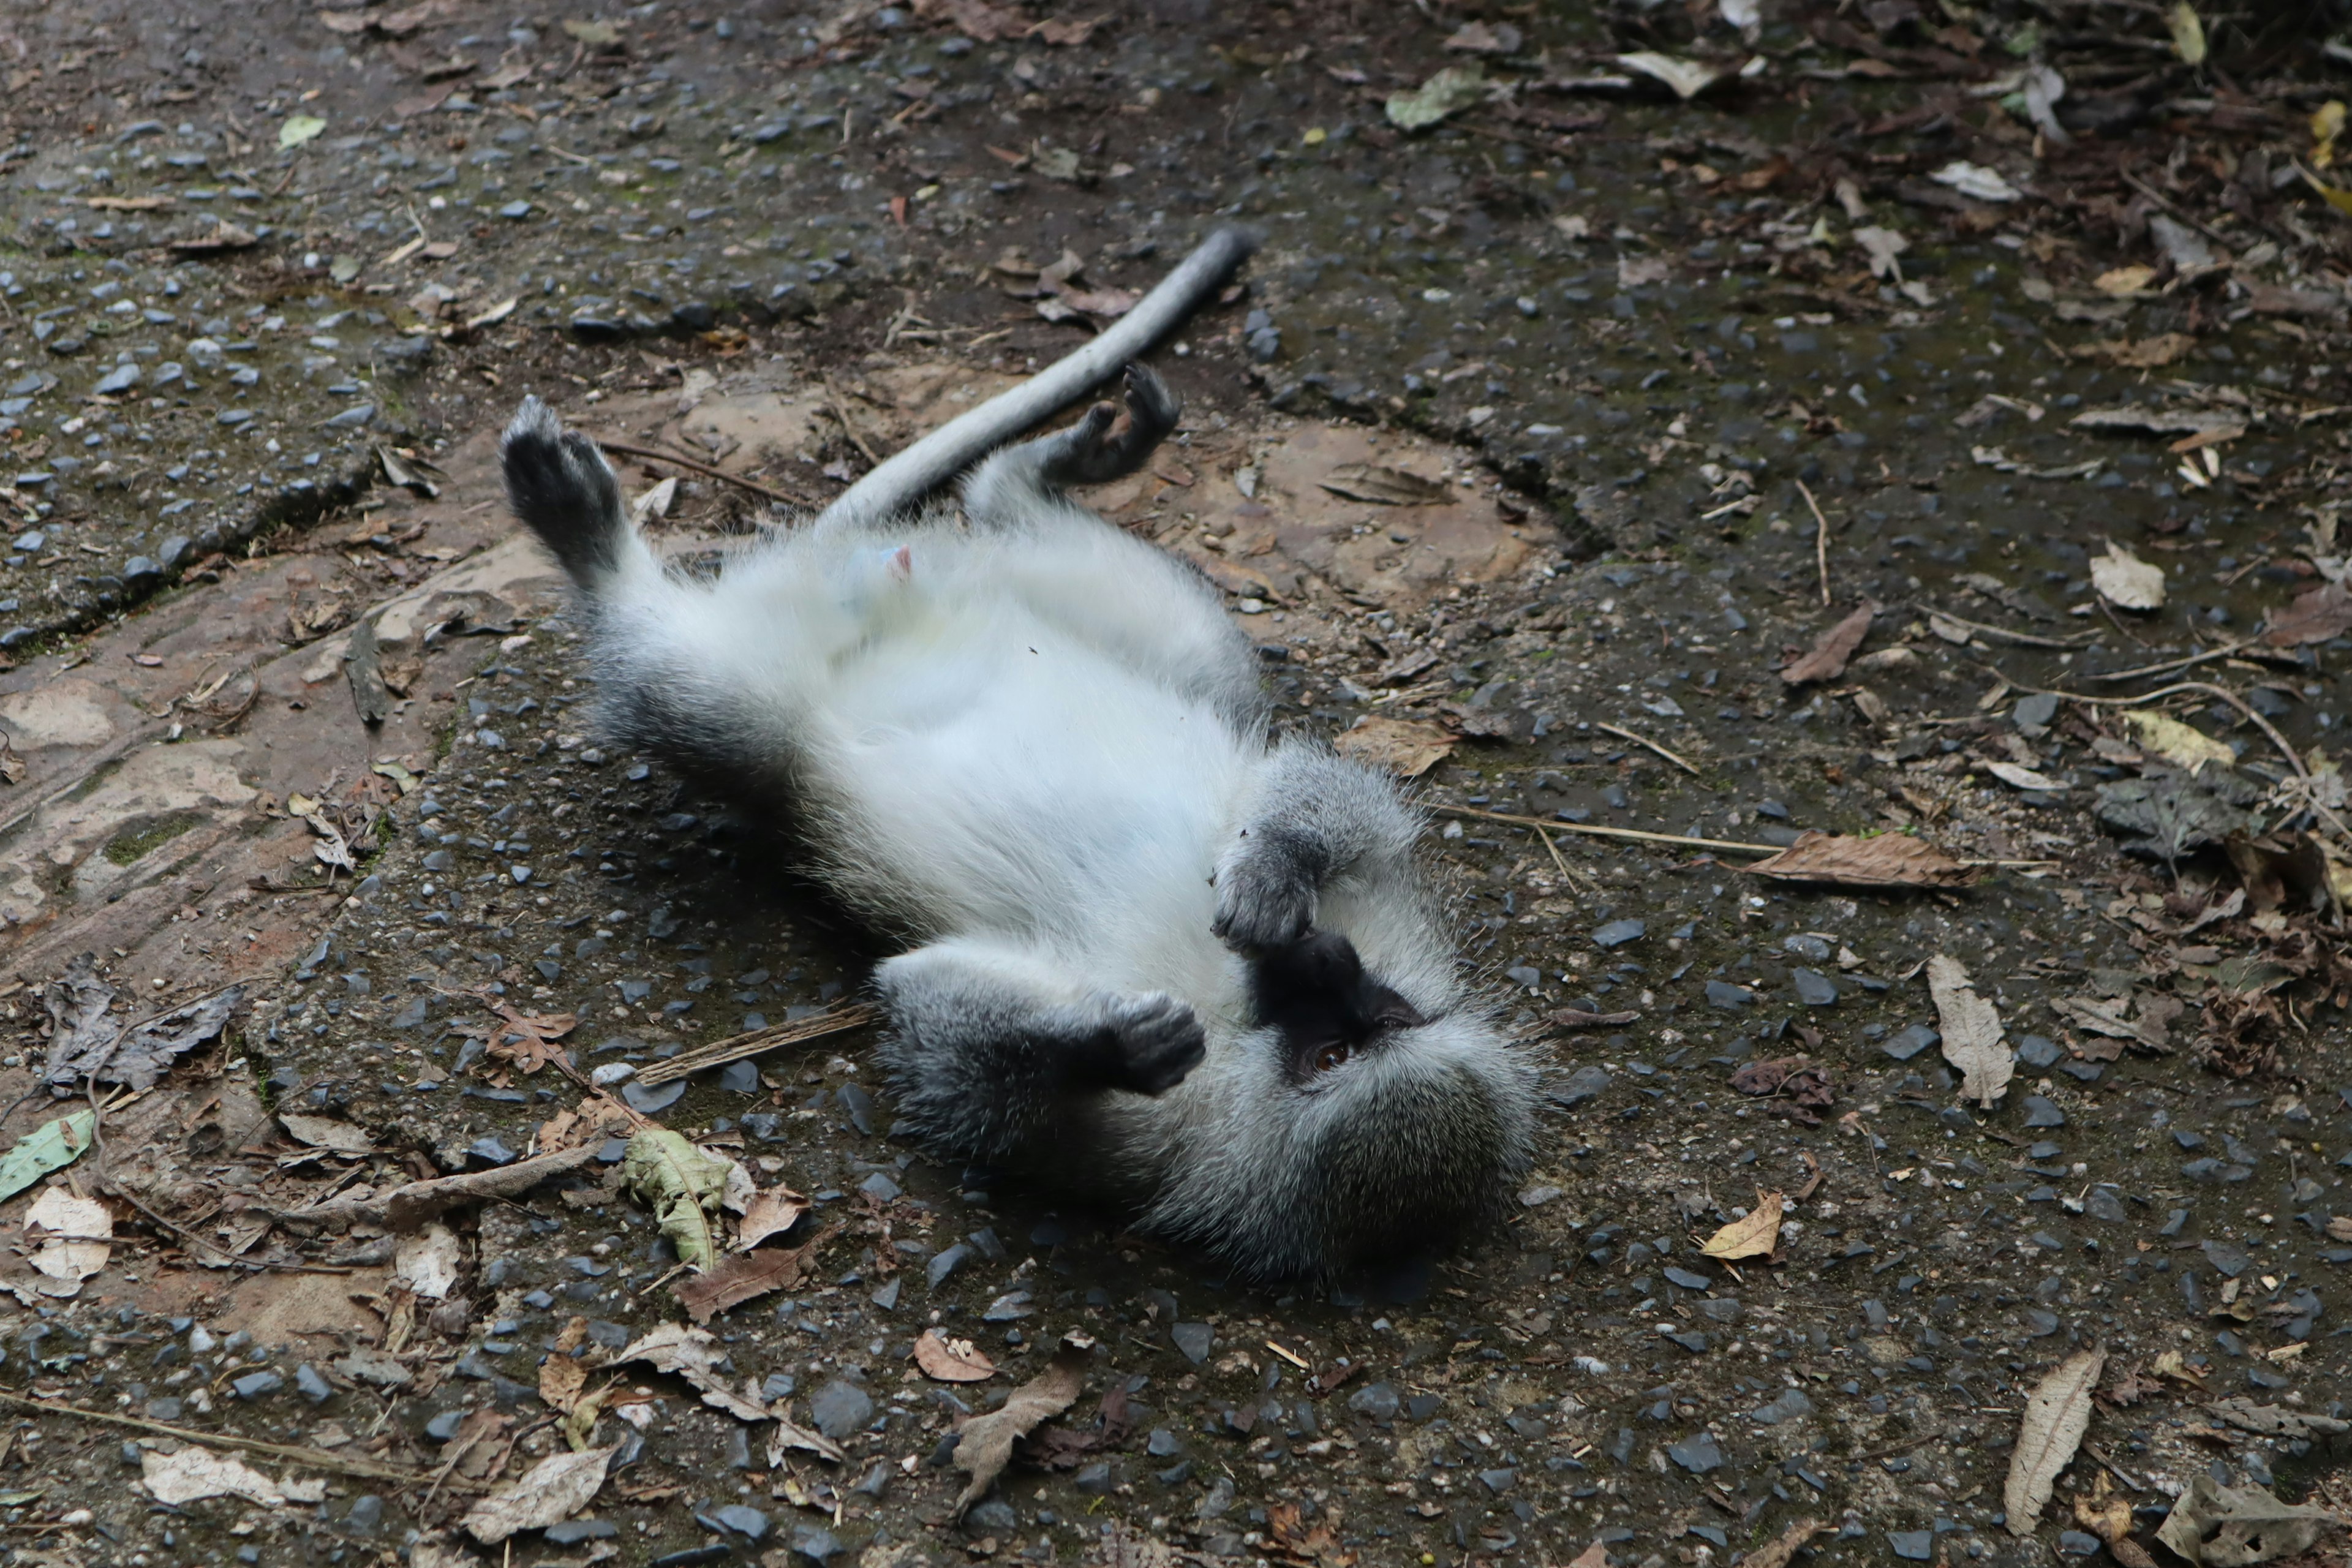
(132, 843)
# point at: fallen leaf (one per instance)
(194, 1473)
(595, 35)
(51, 1146)
(299, 129)
(1485, 38)
(1783, 1550)
(1066, 35)
(223, 236)
(549, 1493)
(2166, 815)
(2184, 747)
(1405, 747)
(2017, 777)
(1971, 1028)
(769, 1213)
(1883, 860)
(527, 1039)
(984, 1442)
(2122, 282)
(683, 1185)
(561, 1381)
(1450, 91)
(347, 22)
(2147, 353)
(1593, 1556)
(1384, 486)
(951, 1361)
(1756, 1236)
(741, 1275)
(430, 1262)
(327, 1133)
(2057, 1412)
(2223, 1527)
(79, 1230)
(2278, 1420)
(2188, 33)
(2322, 612)
(2127, 582)
(87, 1043)
(2219, 423)
(1688, 78)
(1831, 649)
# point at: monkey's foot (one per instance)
(1148, 1044)
(1092, 453)
(1263, 901)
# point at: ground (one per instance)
(1543, 449)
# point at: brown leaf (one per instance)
(984, 1442)
(1064, 1448)
(224, 236)
(769, 1213)
(2147, 353)
(1971, 1028)
(1066, 35)
(1593, 1556)
(1758, 1235)
(1831, 649)
(951, 1361)
(1309, 1546)
(527, 1039)
(2315, 616)
(1405, 747)
(1804, 1086)
(555, 1488)
(1883, 860)
(589, 1123)
(975, 19)
(2057, 1414)
(741, 1275)
(561, 1381)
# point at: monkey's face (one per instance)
(1326, 1006)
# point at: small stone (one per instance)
(996, 1517)
(1617, 933)
(1791, 1403)
(886, 1297)
(1194, 1340)
(1909, 1042)
(1585, 1083)
(254, 1385)
(517, 209)
(366, 1514)
(2041, 1112)
(122, 378)
(1698, 1454)
(1095, 1480)
(1378, 1401)
(313, 1387)
(573, 1531)
(1912, 1545)
(739, 1077)
(354, 417)
(879, 1187)
(746, 1521)
(1498, 1482)
(840, 1408)
(946, 1262)
(816, 1544)
(646, 1102)
(2077, 1543)
(2032, 714)
(1814, 989)
(444, 1426)
(2038, 1051)
(1722, 993)
(489, 1151)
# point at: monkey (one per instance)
(1152, 952)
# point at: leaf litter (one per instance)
(2057, 1414)
(1971, 1030)
(984, 1442)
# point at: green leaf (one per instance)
(2188, 32)
(52, 1146)
(1451, 90)
(683, 1185)
(300, 129)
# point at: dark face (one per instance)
(1316, 993)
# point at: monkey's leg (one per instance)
(988, 1041)
(1011, 483)
(1314, 817)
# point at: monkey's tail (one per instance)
(560, 487)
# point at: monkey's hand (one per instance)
(1091, 452)
(1145, 1043)
(1265, 899)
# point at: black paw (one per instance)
(1262, 902)
(1092, 453)
(1148, 1042)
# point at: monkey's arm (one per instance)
(987, 1041)
(1315, 818)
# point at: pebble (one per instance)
(1814, 989)
(1912, 1545)
(313, 1387)
(1617, 933)
(944, 1263)
(646, 1102)
(1698, 1454)
(840, 1408)
(254, 1385)
(1722, 993)
(2041, 1112)
(1377, 1401)
(744, 1521)
(1194, 1339)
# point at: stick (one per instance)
(1645, 740)
(735, 1047)
(367, 1470)
(2027, 638)
(2173, 664)
(1570, 878)
(1820, 540)
(1590, 830)
(841, 412)
(657, 455)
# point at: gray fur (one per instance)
(1151, 952)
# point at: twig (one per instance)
(656, 454)
(2205, 687)
(366, 1470)
(735, 1047)
(841, 412)
(1560, 860)
(2172, 664)
(2027, 639)
(1820, 539)
(1594, 831)
(1645, 741)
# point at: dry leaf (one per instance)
(193, 1473)
(2127, 582)
(1758, 1235)
(80, 1230)
(984, 1442)
(1384, 486)
(1405, 747)
(2147, 353)
(769, 1213)
(1884, 861)
(741, 1275)
(429, 1262)
(2057, 1412)
(527, 1039)
(551, 1492)
(2219, 1527)
(2324, 613)
(1971, 1028)
(2016, 777)
(328, 1133)
(1831, 649)
(561, 1381)
(1782, 1551)
(1688, 77)
(2185, 747)
(1593, 1556)
(951, 1361)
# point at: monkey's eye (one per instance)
(1332, 1055)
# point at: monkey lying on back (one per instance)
(1152, 953)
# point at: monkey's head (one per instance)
(1377, 1116)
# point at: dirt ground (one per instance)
(1928, 432)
